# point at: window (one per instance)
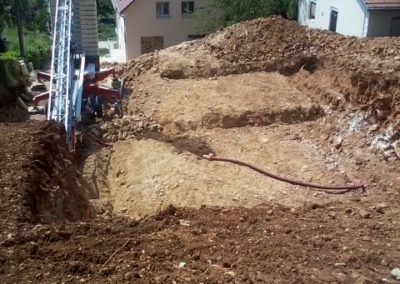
(151, 43)
(162, 9)
(313, 8)
(187, 8)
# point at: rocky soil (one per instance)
(267, 244)
(364, 71)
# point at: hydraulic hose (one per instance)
(327, 188)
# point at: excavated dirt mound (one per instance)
(242, 89)
(274, 44)
(38, 181)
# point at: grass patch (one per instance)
(37, 47)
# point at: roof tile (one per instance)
(121, 5)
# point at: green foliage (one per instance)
(34, 14)
(106, 31)
(106, 9)
(11, 80)
(37, 47)
(10, 73)
(106, 20)
(35, 17)
(222, 13)
(4, 12)
(103, 51)
(207, 20)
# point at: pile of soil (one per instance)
(362, 69)
(339, 96)
(275, 44)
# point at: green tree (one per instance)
(34, 14)
(34, 18)
(222, 13)
(106, 19)
(4, 16)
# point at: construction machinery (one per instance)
(73, 81)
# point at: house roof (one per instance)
(121, 5)
(382, 4)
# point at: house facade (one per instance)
(146, 25)
(361, 18)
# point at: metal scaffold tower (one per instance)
(72, 90)
(60, 105)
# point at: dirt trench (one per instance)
(39, 180)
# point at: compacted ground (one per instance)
(309, 105)
(332, 243)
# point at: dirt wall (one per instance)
(40, 182)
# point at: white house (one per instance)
(146, 25)
(362, 18)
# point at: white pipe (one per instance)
(52, 63)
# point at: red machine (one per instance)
(90, 86)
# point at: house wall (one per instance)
(351, 18)
(380, 22)
(141, 21)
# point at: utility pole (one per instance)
(19, 29)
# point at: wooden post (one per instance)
(19, 29)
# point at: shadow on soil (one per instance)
(195, 145)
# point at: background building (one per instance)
(146, 25)
(362, 18)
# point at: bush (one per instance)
(37, 47)
(12, 81)
(103, 51)
(222, 13)
(11, 74)
(39, 51)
